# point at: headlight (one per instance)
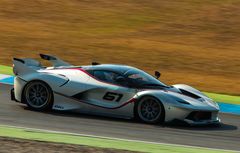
(208, 101)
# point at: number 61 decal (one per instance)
(111, 96)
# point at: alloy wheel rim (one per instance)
(149, 109)
(37, 95)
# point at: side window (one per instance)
(107, 76)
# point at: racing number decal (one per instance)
(111, 96)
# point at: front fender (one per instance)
(161, 95)
(174, 103)
(169, 104)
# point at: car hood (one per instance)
(184, 96)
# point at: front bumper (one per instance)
(202, 118)
(203, 122)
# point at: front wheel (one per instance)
(150, 110)
(38, 96)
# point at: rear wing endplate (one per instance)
(56, 62)
(28, 65)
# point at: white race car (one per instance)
(109, 90)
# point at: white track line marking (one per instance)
(110, 138)
(3, 76)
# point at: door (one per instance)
(111, 91)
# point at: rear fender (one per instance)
(55, 81)
(25, 66)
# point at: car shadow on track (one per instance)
(211, 127)
(173, 125)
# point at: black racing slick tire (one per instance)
(149, 110)
(38, 96)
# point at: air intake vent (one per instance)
(189, 94)
(199, 116)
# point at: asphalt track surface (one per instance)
(227, 136)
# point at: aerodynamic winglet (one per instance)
(47, 57)
(54, 60)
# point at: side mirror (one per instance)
(120, 79)
(157, 74)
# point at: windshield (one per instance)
(141, 78)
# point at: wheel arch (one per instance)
(152, 96)
(35, 80)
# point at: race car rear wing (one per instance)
(56, 62)
(28, 65)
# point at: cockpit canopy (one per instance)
(124, 76)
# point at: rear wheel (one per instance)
(150, 110)
(38, 96)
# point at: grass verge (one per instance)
(39, 135)
(224, 98)
(6, 70)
